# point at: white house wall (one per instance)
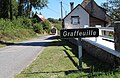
(84, 18)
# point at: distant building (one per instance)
(86, 14)
(39, 17)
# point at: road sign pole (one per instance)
(79, 33)
(80, 53)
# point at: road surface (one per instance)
(14, 58)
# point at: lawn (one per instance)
(59, 60)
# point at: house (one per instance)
(98, 15)
(39, 17)
(88, 13)
(77, 18)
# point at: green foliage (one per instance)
(111, 35)
(53, 20)
(21, 27)
(16, 29)
(28, 4)
(42, 26)
(56, 23)
(61, 62)
(34, 20)
(27, 22)
(58, 26)
(51, 63)
(38, 27)
(113, 8)
(22, 22)
(46, 26)
(14, 8)
(4, 4)
(38, 4)
(5, 8)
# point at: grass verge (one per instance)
(59, 60)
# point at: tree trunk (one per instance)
(20, 8)
(30, 11)
(11, 10)
(4, 8)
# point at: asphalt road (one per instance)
(14, 58)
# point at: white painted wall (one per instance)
(84, 18)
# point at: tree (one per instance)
(14, 7)
(27, 5)
(37, 4)
(11, 14)
(113, 8)
(4, 4)
(53, 20)
(20, 7)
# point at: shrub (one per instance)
(38, 27)
(46, 26)
(58, 26)
(27, 22)
(16, 29)
(34, 20)
(22, 22)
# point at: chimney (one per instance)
(72, 5)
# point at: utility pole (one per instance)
(61, 11)
(65, 12)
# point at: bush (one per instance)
(16, 29)
(58, 26)
(46, 26)
(38, 28)
(27, 22)
(22, 22)
(34, 20)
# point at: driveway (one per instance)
(16, 57)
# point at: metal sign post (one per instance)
(80, 53)
(79, 33)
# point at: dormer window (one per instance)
(75, 20)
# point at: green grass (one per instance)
(59, 60)
(2, 45)
(51, 63)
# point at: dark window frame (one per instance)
(74, 22)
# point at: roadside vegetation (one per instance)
(22, 28)
(16, 29)
(56, 23)
(59, 60)
(16, 22)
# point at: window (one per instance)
(75, 20)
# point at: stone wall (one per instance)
(98, 52)
(101, 53)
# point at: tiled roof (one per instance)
(41, 17)
(90, 6)
(85, 3)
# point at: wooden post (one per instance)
(117, 35)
